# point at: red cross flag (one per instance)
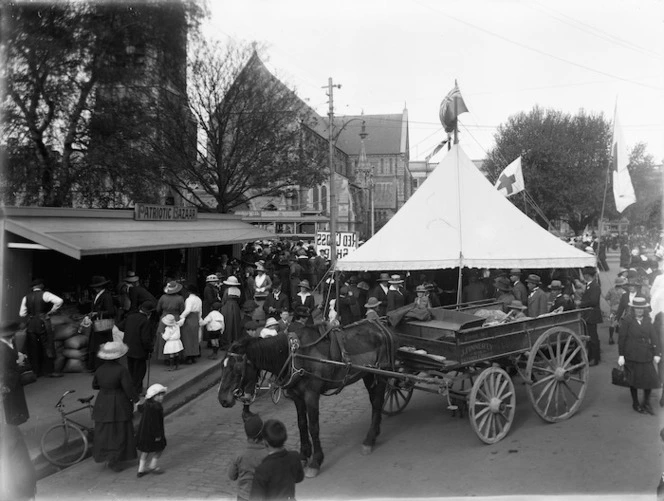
(510, 180)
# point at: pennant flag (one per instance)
(451, 107)
(510, 180)
(623, 191)
(436, 149)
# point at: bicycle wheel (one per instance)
(64, 444)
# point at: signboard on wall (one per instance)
(147, 212)
(346, 243)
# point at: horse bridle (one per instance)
(238, 392)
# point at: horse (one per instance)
(301, 362)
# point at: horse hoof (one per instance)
(311, 472)
(366, 450)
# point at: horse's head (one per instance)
(238, 377)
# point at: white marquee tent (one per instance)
(457, 218)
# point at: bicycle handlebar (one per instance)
(63, 396)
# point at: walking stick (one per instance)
(149, 361)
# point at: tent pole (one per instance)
(459, 283)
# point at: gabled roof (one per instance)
(457, 218)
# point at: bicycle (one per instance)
(67, 443)
(267, 381)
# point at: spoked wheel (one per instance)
(64, 444)
(491, 405)
(557, 374)
(397, 395)
(275, 393)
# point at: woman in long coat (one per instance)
(189, 328)
(113, 410)
(232, 319)
(170, 303)
(102, 308)
(638, 348)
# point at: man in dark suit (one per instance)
(137, 293)
(380, 293)
(139, 338)
(590, 299)
(519, 290)
(395, 296)
(276, 300)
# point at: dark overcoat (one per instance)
(590, 299)
(114, 402)
(638, 342)
(138, 334)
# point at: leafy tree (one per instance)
(647, 182)
(245, 134)
(61, 60)
(564, 160)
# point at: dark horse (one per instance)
(365, 343)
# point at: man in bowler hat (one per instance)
(139, 335)
(538, 300)
(590, 299)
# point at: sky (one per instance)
(506, 55)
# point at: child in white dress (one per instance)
(173, 345)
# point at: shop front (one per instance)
(66, 247)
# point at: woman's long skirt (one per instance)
(114, 442)
(641, 375)
(189, 335)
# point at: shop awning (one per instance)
(115, 232)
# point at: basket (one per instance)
(103, 324)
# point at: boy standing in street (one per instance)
(243, 467)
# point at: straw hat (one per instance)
(112, 350)
(639, 302)
(270, 322)
(168, 320)
(98, 281)
(212, 278)
(232, 281)
(155, 390)
(172, 287)
(395, 279)
(305, 284)
(372, 303)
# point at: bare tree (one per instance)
(245, 133)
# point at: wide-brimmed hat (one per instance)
(516, 304)
(148, 306)
(212, 278)
(260, 267)
(305, 284)
(534, 279)
(620, 281)
(232, 281)
(384, 277)
(112, 350)
(395, 279)
(420, 288)
(172, 287)
(556, 284)
(98, 281)
(639, 302)
(271, 322)
(253, 426)
(131, 277)
(168, 320)
(503, 284)
(372, 303)
(155, 390)
(301, 311)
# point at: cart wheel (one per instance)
(397, 395)
(557, 374)
(491, 405)
(275, 393)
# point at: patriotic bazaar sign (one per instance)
(346, 242)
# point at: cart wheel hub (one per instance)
(561, 374)
(496, 405)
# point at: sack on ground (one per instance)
(64, 331)
(76, 342)
(28, 377)
(71, 353)
(74, 365)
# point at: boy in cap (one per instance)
(244, 465)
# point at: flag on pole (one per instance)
(510, 180)
(436, 150)
(451, 107)
(623, 191)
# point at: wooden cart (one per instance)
(468, 363)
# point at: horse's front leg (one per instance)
(302, 424)
(376, 388)
(312, 399)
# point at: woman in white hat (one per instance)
(262, 281)
(189, 328)
(232, 313)
(113, 410)
(304, 298)
(638, 347)
(170, 303)
(395, 296)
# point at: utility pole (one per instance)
(330, 163)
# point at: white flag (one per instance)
(623, 191)
(510, 180)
